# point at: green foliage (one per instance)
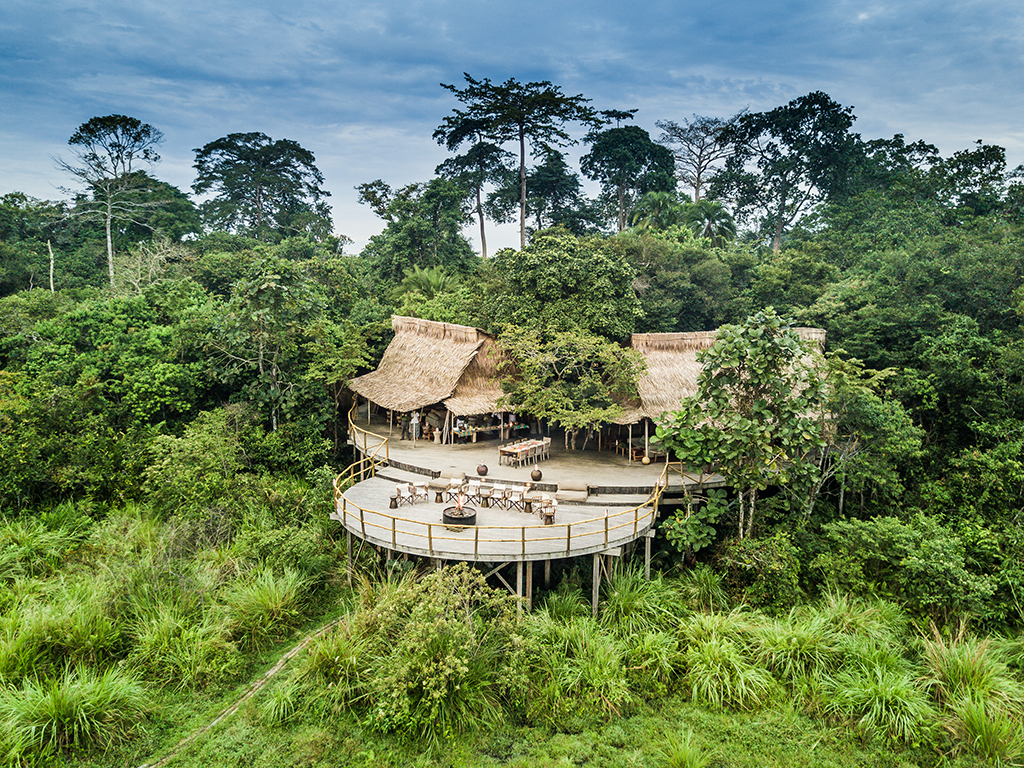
(920, 562)
(262, 188)
(561, 282)
(755, 411)
(573, 379)
(266, 607)
(576, 672)
(961, 667)
(79, 709)
(693, 529)
(702, 588)
(682, 752)
(987, 731)
(764, 571)
(881, 702)
(719, 674)
(632, 606)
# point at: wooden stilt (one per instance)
(348, 556)
(519, 583)
(647, 438)
(647, 556)
(547, 574)
(529, 585)
(631, 442)
(597, 585)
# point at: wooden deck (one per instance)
(499, 536)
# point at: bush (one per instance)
(881, 701)
(764, 571)
(987, 731)
(633, 606)
(80, 709)
(962, 667)
(702, 588)
(266, 607)
(796, 647)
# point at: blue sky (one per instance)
(358, 83)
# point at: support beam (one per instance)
(596, 577)
(647, 555)
(519, 583)
(529, 585)
(348, 556)
(547, 574)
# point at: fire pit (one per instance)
(459, 516)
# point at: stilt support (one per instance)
(529, 584)
(596, 578)
(547, 574)
(519, 583)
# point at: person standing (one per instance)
(405, 427)
(415, 425)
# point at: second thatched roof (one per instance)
(672, 369)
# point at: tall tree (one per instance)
(513, 111)
(708, 218)
(699, 146)
(483, 162)
(262, 188)
(628, 164)
(424, 227)
(108, 150)
(555, 197)
(787, 160)
(756, 411)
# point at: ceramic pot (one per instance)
(536, 474)
(481, 470)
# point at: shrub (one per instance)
(720, 675)
(634, 606)
(844, 614)
(266, 607)
(173, 651)
(566, 601)
(881, 702)
(80, 708)
(765, 571)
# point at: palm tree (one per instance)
(657, 210)
(429, 282)
(708, 218)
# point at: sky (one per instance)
(358, 84)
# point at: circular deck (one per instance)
(499, 536)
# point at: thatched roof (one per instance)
(428, 362)
(672, 369)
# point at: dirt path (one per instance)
(251, 691)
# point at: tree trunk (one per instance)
(750, 513)
(522, 189)
(110, 242)
(741, 516)
(622, 207)
(480, 215)
(50, 249)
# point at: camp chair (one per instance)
(516, 498)
(499, 495)
(419, 491)
(404, 494)
(473, 490)
(454, 489)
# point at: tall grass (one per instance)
(80, 708)
(719, 674)
(681, 752)
(265, 607)
(796, 648)
(987, 731)
(576, 671)
(702, 588)
(881, 702)
(960, 666)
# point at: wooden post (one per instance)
(529, 585)
(547, 574)
(519, 584)
(348, 556)
(597, 585)
(647, 556)
(647, 438)
(630, 442)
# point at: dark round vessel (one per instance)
(481, 470)
(456, 516)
